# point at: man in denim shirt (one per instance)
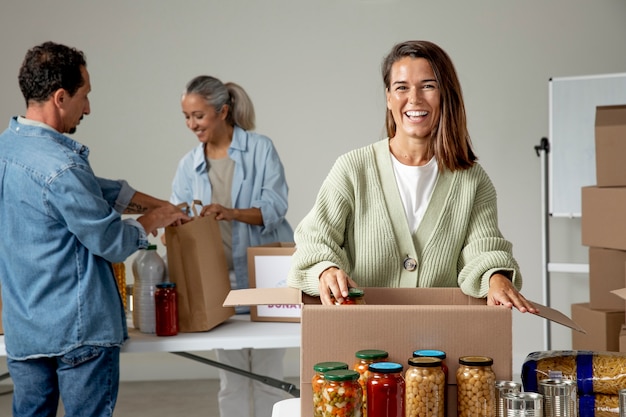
(61, 225)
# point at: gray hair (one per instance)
(218, 95)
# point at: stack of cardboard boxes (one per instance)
(604, 231)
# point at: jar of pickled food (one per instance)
(476, 387)
(363, 359)
(355, 296)
(385, 390)
(317, 383)
(425, 387)
(342, 394)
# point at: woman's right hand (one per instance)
(334, 281)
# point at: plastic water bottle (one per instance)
(150, 272)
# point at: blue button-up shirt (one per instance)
(61, 228)
(258, 181)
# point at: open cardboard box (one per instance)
(400, 321)
(268, 267)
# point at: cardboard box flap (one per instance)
(263, 296)
(418, 296)
(385, 296)
(620, 293)
(557, 317)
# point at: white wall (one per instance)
(313, 70)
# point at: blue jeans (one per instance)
(86, 379)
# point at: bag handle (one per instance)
(185, 207)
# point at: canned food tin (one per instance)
(559, 397)
(503, 387)
(523, 404)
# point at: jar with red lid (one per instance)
(476, 387)
(317, 383)
(355, 296)
(364, 358)
(385, 390)
(166, 309)
(342, 394)
(425, 387)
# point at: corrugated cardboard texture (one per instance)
(335, 333)
(603, 328)
(280, 249)
(603, 222)
(607, 272)
(610, 146)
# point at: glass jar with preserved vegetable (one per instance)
(317, 383)
(385, 390)
(476, 387)
(342, 394)
(355, 296)
(363, 359)
(425, 387)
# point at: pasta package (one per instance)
(598, 405)
(594, 372)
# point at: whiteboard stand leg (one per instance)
(542, 151)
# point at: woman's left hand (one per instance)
(502, 292)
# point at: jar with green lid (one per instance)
(425, 387)
(355, 296)
(363, 359)
(476, 387)
(317, 383)
(342, 394)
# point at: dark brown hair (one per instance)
(451, 142)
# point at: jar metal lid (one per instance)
(371, 354)
(476, 360)
(329, 366)
(385, 367)
(166, 285)
(425, 361)
(342, 375)
(433, 353)
(355, 292)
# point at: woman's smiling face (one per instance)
(413, 97)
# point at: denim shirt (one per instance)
(258, 181)
(61, 229)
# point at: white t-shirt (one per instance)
(416, 185)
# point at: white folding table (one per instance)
(238, 332)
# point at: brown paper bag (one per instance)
(197, 264)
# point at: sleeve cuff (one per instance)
(142, 240)
(123, 198)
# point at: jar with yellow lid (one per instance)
(425, 387)
(476, 387)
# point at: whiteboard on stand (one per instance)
(572, 114)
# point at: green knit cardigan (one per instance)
(358, 224)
